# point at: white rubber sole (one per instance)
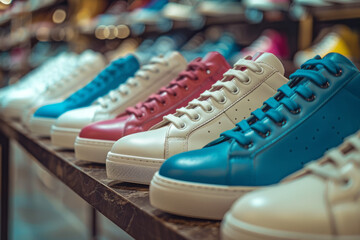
(233, 229)
(64, 137)
(132, 168)
(92, 150)
(193, 199)
(41, 126)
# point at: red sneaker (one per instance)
(95, 140)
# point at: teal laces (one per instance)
(309, 71)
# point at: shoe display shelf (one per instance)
(125, 204)
(315, 17)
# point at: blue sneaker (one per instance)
(315, 111)
(111, 77)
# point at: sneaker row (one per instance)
(241, 90)
(96, 140)
(269, 128)
(310, 114)
(147, 80)
(306, 117)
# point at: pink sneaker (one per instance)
(270, 41)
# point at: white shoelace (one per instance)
(132, 82)
(56, 75)
(65, 78)
(215, 92)
(336, 159)
(42, 71)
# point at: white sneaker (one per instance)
(22, 98)
(43, 72)
(151, 77)
(88, 65)
(136, 157)
(320, 202)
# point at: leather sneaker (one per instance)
(35, 84)
(96, 140)
(243, 88)
(89, 64)
(114, 74)
(315, 111)
(159, 72)
(322, 201)
(52, 64)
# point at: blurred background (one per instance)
(34, 31)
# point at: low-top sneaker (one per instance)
(136, 157)
(28, 90)
(114, 74)
(315, 111)
(147, 80)
(51, 65)
(198, 77)
(270, 41)
(322, 201)
(89, 64)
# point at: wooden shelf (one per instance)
(335, 12)
(127, 205)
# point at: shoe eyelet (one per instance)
(248, 81)
(311, 98)
(157, 70)
(235, 91)
(210, 109)
(339, 73)
(175, 94)
(296, 111)
(147, 78)
(261, 71)
(282, 123)
(265, 135)
(223, 100)
(208, 71)
(186, 88)
(325, 85)
(347, 183)
(141, 116)
(163, 103)
(182, 126)
(249, 145)
(197, 118)
(152, 110)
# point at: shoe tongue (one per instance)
(338, 58)
(269, 59)
(176, 57)
(214, 57)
